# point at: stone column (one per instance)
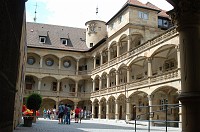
(186, 14)
(180, 116)
(94, 62)
(93, 106)
(118, 49)
(100, 83)
(116, 110)
(127, 109)
(58, 85)
(108, 55)
(101, 58)
(93, 81)
(59, 63)
(117, 78)
(178, 59)
(128, 75)
(39, 84)
(108, 80)
(100, 109)
(150, 109)
(107, 110)
(77, 66)
(76, 88)
(57, 104)
(149, 74)
(75, 105)
(129, 44)
(41, 61)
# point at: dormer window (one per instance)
(64, 41)
(42, 39)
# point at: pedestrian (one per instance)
(44, 113)
(81, 114)
(68, 113)
(77, 111)
(61, 108)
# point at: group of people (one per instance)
(64, 113)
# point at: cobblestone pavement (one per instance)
(44, 125)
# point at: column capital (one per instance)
(149, 59)
(77, 60)
(129, 37)
(149, 97)
(184, 7)
(127, 100)
(178, 48)
(39, 79)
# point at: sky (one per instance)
(75, 13)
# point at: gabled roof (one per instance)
(134, 3)
(162, 13)
(54, 34)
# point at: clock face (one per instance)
(67, 63)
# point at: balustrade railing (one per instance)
(168, 34)
(165, 76)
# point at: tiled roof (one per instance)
(54, 33)
(162, 13)
(137, 3)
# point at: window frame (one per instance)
(42, 37)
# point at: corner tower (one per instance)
(95, 31)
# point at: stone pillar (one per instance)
(180, 116)
(127, 109)
(101, 58)
(100, 83)
(129, 44)
(150, 109)
(94, 62)
(59, 63)
(41, 61)
(117, 78)
(128, 75)
(57, 104)
(107, 110)
(100, 109)
(93, 106)
(77, 66)
(186, 14)
(39, 84)
(58, 85)
(76, 88)
(118, 49)
(108, 80)
(149, 72)
(93, 81)
(116, 110)
(178, 59)
(108, 55)
(75, 105)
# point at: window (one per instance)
(31, 60)
(163, 102)
(42, 39)
(111, 26)
(169, 65)
(91, 44)
(120, 19)
(49, 62)
(64, 41)
(54, 86)
(163, 23)
(143, 15)
(67, 63)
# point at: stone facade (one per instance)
(137, 64)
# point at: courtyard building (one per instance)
(108, 68)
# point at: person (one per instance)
(81, 114)
(44, 113)
(68, 113)
(61, 108)
(77, 111)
